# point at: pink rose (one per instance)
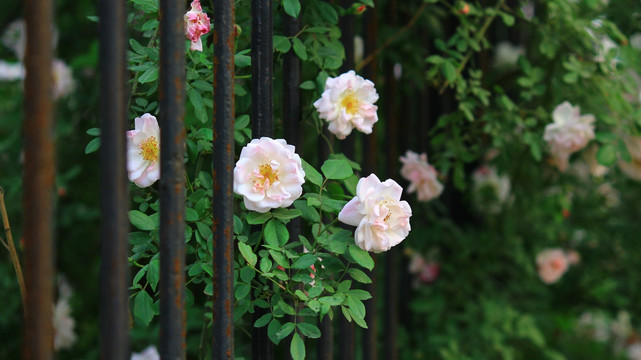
(551, 265)
(197, 24)
(143, 151)
(269, 174)
(421, 175)
(382, 219)
(425, 272)
(569, 133)
(348, 103)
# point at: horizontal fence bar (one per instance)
(223, 164)
(39, 174)
(172, 182)
(114, 266)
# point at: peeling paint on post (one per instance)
(223, 164)
(172, 182)
(114, 239)
(39, 174)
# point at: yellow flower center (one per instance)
(268, 174)
(149, 149)
(350, 103)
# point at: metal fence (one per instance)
(114, 272)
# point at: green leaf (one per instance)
(199, 106)
(286, 214)
(140, 274)
(241, 122)
(356, 306)
(308, 85)
(153, 273)
(449, 71)
(281, 43)
(304, 261)
(508, 19)
(148, 76)
(263, 320)
(279, 258)
(247, 253)
(141, 220)
(309, 330)
(247, 274)
(311, 174)
(292, 7)
(337, 169)
(272, 330)
(92, 146)
(242, 290)
(143, 307)
(93, 131)
(299, 49)
(285, 330)
(607, 155)
(301, 295)
(307, 212)
(254, 218)
(191, 214)
(361, 257)
(359, 276)
(297, 348)
(270, 233)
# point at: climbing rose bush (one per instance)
(551, 265)
(197, 24)
(382, 219)
(421, 175)
(569, 133)
(348, 103)
(143, 151)
(268, 174)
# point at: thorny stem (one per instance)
(479, 35)
(12, 249)
(391, 39)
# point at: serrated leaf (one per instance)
(247, 253)
(337, 169)
(297, 348)
(141, 220)
(361, 257)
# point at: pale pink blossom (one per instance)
(632, 168)
(197, 24)
(551, 265)
(574, 258)
(421, 175)
(64, 335)
(426, 272)
(143, 151)
(382, 219)
(150, 353)
(11, 71)
(268, 174)
(490, 191)
(63, 83)
(348, 103)
(569, 133)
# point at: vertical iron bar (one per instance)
(370, 343)
(262, 123)
(114, 267)
(172, 183)
(262, 69)
(223, 165)
(39, 173)
(325, 344)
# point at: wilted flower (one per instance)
(490, 191)
(150, 353)
(551, 265)
(268, 174)
(197, 24)
(633, 168)
(143, 151)
(382, 219)
(347, 103)
(421, 175)
(570, 132)
(10, 71)
(507, 54)
(63, 82)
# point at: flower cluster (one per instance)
(569, 133)
(348, 103)
(382, 219)
(421, 175)
(197, 24)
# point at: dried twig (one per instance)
(12, 249)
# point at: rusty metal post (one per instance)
(114, 273)
(223, 165)
(172, 182)
(262, 124)
(39, 174)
